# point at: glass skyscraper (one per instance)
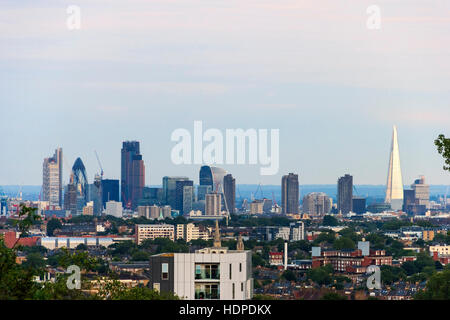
(132, 174)
(394, 186)
(290, 193)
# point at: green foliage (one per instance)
(443, 147)
(15, 282)
(326, 237)
(257, 260)
(289, 275)
(437, 288)
(35, 261)
(27, 218)
(390, 274)
(395, 224)
(114, 290)
(52, 225)
(321, 275)
(344, 243)
(81, 259)
(59, 290)
(81, 247)
(81, 219)
(329, 220)
(140, 256)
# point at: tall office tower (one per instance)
(183, 195)
(132, 174)
(359, 205)
(212, 176)
(213, 204)
(290, 193)
(170, 189)
(95, 195)
(78, 189)
(317, 204)
(229, 192)
(202, 191)
(408, 200)
(345, 194)
(394, 187)
(70, 197)
(421, 192)
(52, 179)
(110, 191)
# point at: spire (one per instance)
(217, 243)
(394, 187)
(240, 243)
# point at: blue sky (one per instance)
(141, 69)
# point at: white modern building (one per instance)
(53, 243)
(215, 273)
(114, 208)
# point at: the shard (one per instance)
(394, 187)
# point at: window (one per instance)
(242, 286)
(207, 271)
(240, 267)
(207, 291)
(157, 287)
(164, 271)
(233, 293)
(230, 270)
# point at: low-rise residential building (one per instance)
(190, 232)
(276, 258)
(153, 231)
(350, 260)
(53, 243)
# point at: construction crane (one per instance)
(260, 189)
(273, 199)
(99, 164)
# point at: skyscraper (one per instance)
(52, 179)
(289, 193)
(229, 191)
(345, 194)
(132, 174)
(78, 189)
(110, 191)
(421, 192)
(213, 204)
(394, 187)
(170, 189)
(317, 204)
(183, 195)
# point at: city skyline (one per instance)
(195, 168)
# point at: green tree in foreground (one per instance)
(114, 290)
(443, 147)
(438, 287)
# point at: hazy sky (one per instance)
(139, 69)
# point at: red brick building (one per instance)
(351, 261)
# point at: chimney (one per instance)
(285, 255)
